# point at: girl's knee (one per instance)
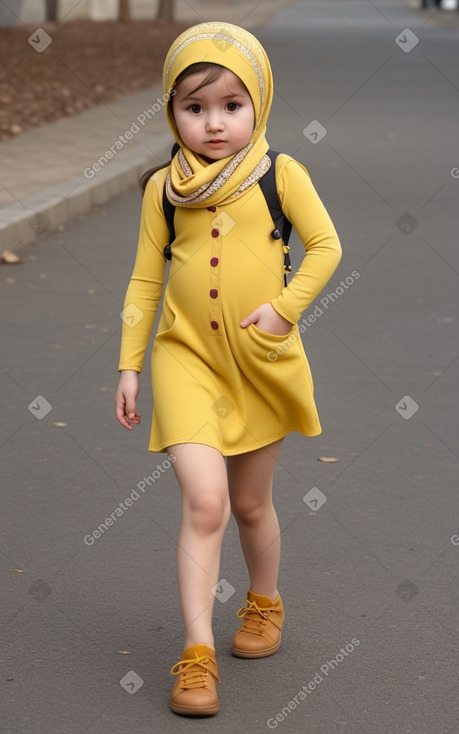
(250, 511)
(208, 512)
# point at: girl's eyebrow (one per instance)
(234, 94)
(196, 96)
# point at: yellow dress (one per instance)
(214, 382)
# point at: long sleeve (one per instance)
(303, 207)
(145, 287)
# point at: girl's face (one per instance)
(217, 120)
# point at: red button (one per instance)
(214, 262)
(214, 325)
(215, 233)
(211, 208)
(213, 293)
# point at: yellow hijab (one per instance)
(191, 181)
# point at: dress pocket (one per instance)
(268, 335)
(275, 346)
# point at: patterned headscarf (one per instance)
(192, 182)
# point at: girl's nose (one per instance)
(214, 122)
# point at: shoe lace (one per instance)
(194, 671)
(255, 618)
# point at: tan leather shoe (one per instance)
(194, 692)
(260, 632)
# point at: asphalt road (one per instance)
(367, 98)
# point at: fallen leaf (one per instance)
(10, 679)
(10, 258)
(123, 652)
(10, 280)
(327, 459)
(16, 570)
(60, 425)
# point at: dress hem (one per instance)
(164, 447)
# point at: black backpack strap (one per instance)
(282, 226)
(169, 211)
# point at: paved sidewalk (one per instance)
(43, 182)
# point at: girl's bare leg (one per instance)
(250, 478)
(201, 474)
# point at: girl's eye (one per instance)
(233, 106)
(195, 109)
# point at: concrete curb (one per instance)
(46, 210)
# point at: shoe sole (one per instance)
(256, 653)
(195, 711)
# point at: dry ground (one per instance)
(86, 63)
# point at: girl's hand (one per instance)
(267, 319)
(125, 399)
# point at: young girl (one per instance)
(216, 391)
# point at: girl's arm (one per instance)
(145, 287)
(141, 302)
(302, 206)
